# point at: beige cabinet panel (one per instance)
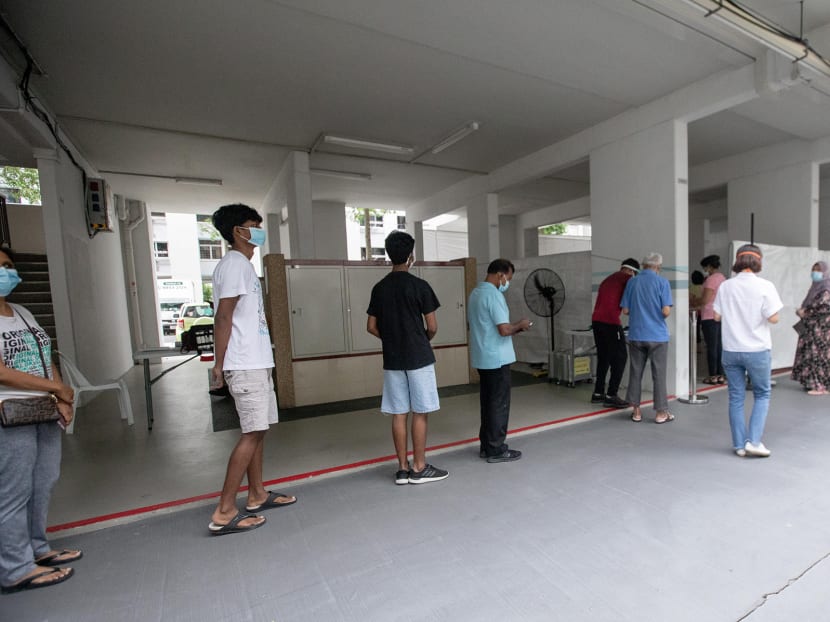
(448, 284)
(359, 283)
(315, 298)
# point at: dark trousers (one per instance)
(495, 409)
(714, 347)
(611, 352)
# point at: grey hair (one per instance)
(652, 260)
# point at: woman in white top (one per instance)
(30, 455)
(746, 305)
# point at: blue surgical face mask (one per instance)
(505, 287)
(9, 279)
(257, 236)
(816, 276)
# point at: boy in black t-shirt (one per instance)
(399, 306)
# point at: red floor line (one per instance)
(300, 476)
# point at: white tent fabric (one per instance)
(789, 269)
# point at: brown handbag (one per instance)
(30, 410)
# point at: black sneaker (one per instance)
(508, 456)
(428, 474)
(597, 398)
(612, 401)
(402, 477)
(482, 453)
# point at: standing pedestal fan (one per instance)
(544, 296)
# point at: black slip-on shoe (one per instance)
(508, 456)
(612, 401)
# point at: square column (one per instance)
(483, 228)
(639, 203)
(785, 202)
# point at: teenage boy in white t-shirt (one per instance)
(244, 361)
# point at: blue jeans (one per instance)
(757, 365)
(30, 462)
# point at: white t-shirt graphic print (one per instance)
(250, 343)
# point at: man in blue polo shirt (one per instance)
(491, 353)
(647, 301)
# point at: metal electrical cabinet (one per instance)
(448, 284)
(328, 306)
(359, 283)
(315, 298)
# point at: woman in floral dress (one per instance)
(812, 356)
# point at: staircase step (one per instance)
(27, 298)
(33, 286)
(35, 257)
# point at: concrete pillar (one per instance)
(785, 202)
(508, 237)
(54, 217)
(329, 232)
(483, 228)
(298, 201)
(639, 203)
(531, 242)
(418, 233)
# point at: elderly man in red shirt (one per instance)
(609, 336)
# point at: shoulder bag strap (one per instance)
(37, 343)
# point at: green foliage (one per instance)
(24, 179)
(556, 229)
(207, 291)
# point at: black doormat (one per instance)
(223, 411)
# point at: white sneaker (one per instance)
(740, 452)
(756, 450)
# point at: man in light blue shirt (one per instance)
(491, 353)
(647, 301)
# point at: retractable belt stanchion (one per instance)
(693, 397)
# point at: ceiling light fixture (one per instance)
(736, 17)
(198, 181)
(342, 174)
(462, 132)
(359, 143)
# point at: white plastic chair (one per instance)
(75, 379)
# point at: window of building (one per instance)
(210, 249)
(376, 221)
(401, 222)
(160, 249)
(377, 253)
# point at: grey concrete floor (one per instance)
(601, 520)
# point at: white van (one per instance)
(172, 295)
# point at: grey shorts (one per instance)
(254, 396)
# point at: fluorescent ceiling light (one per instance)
(462, 132)
(736, 17)
(359, 143)
(198, 181)
(342, 174)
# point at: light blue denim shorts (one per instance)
(254, 397)
(411, 390)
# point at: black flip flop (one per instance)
(29, 582)
(51, 559)
(271, 502)
(233, 525)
